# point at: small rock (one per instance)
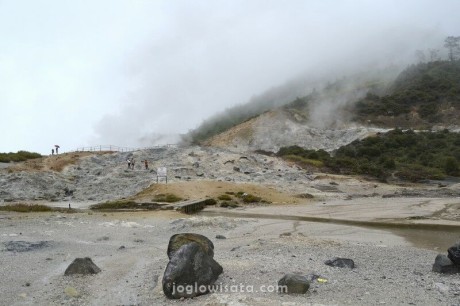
(340, 263)
(311, 277)
(220, 237)
(71, 291)
(83, 266)
(293, 283)
(305, 196)
(442, 264)
(122, 247)
(443, 288)
(454, 253)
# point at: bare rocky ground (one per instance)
(101, 177)
(279, 128)
(106, 176)
(130, 248)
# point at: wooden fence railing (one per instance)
(113, 148)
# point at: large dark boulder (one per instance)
(454, 253)
(178, 240)
(82, 266)
(190, 272)
(340, 262)
(443, 264)
(293, 283)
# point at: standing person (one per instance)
(132, 163)
(129, 163)
(57, 150)
(146, 163)
(52, 151)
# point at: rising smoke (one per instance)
(206, 59)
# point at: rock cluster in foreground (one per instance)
(449, 264)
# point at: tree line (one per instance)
(451, 43)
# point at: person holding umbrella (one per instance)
(57, 147)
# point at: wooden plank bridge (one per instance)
(190, 206)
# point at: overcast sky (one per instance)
(79, 73)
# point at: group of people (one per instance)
(52, 151)
(132, 163)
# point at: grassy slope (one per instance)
(407, 155)
(423, 95)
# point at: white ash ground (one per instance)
(256, 253)
(106, 177)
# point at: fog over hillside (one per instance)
(260, 53)
(128, 73)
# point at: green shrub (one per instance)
(125, 205)
(415, 156)
(239, 194)
(229, 204)
(388, 163)
(121, 204)
(249, 198)
(168, 198)
(304, 162)
(415, 173)
(26, 208)
(224, 197)
(209, 202)
(18, 156)
(451, 166)
(423, 88)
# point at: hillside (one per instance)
(257, 105)
(279, 128)
(319, 120)
(321, 92)
(422, 96)
(408, 156)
